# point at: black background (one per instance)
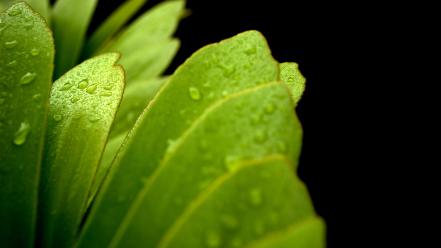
(335, 110)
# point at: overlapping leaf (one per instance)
(25, 80)
(82, 107)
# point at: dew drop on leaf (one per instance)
(194, 93)
(36, 97)
(83, 84)
(22, 133)
(229, 222)
(35, 52)
(106, 93)
(66, 86)
(213, 239)
(14, 12)
(74, 99)
(269, 108)
(27, 78)
(94, 118)
(260, 136)
(91, 89)
(255, 197)
(11, 44)
(57, 117)
(12, 63)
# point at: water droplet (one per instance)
(269, 108)
(83, 84)
(259, 228)
(14, 12)
(91, 89)
(237, 242)
(231, 163)
(281, 146)
(260, 136)
(66, 86)
(229, 222)
(108, 87)
(255, 196)
(250, 50)
(11, 44)
(224, 93)
(195, 94)
(57, 117)
(106, 93)
(35, 52)
(94, 118)
(74, 99)
(27, 78)
(36, 97)
(12, 63)
(22, 133)
(213, 239)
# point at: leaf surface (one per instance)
(26, 65)
(83, 104)
(70, 20)
(211, 74)
(290, 74)
(40, 6)
(112, 24)
(257, 199)
(213, 146)
(156, 25)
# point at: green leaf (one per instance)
(213, 146)
(150, 60)
(112, 24)
(136, 98)
(290, 74)
(156, 25)
(309, 233)
(243, 206)
(211, 74)
(70, 19)
(83, 104)
(26, 64)
(40, 6)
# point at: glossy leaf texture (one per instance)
(136, 97)
(40, 6)
(26, 65)
(213, 146)
(151, 35)
(111, 25)
(244, 207)
(83, 104)
(205, 87)
(70, 20)
(293, 78)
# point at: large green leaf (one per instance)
(111, 25)
(213, 146)
(70, 20)
(83, 104)
(261, 197)
(211, 74)
(26, 64)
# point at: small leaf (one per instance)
(82, 107)
(262, 196)
(309, 233)
(25, 82)
(213, 146)
(70, 19)
(290, 74)
(136, 98)
(215, 71)
(111, 25)
(156, 25)
(150, 60)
